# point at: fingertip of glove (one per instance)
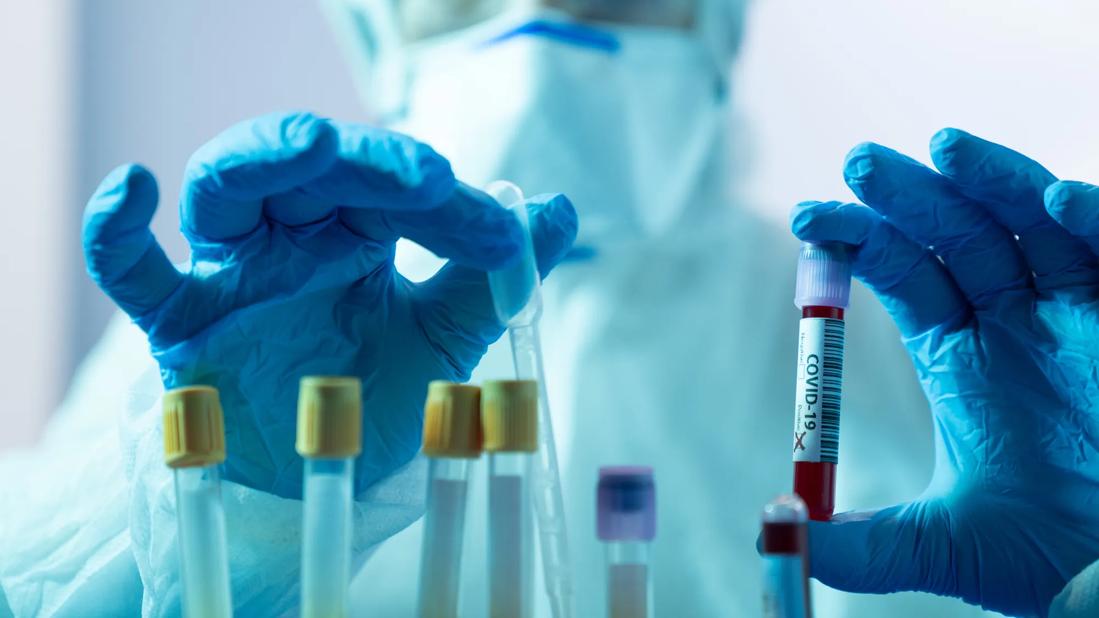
(304, 130)
(128, 178)
(1057, 196)
(125, 185)
(832, 221)
(876, 174)
(948, 137)
(282, 145)
(859, 162)
(117, 242)
(432, 173)
(311, 141)
(421, 177)
(802, 215)
(557, 209)
(947, 146)
(1075, 205)
(554, 225)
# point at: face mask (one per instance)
(624, 120)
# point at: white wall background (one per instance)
(36, 248)
(816, 78)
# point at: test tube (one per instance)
(785, 570)
(822, 292)
(517, 298)
(509, 416)
(329, 438)
(626, 523)
(194, 446)
(452, 440)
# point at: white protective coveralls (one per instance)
(670, 339)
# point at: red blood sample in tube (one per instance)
(823, 286)
(815, 481)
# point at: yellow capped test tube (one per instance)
(509, 416)
(329, 438)
(517, 298)
(194, 446)
(452, 440)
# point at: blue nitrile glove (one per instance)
(1080, 598)
(292, 221)
(1003, 333)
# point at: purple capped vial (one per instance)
(626, 523)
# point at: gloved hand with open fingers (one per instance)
(989, 267)
(292, 221)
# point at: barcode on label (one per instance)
(819, 390)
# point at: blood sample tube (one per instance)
(822, 293)
(509, 417)
(785, 549)
(452, 440)
(194, 447)
(626, 521)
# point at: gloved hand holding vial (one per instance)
(194, 447)
(509, 415)
(626, 524)
(452, 441)
(989, 266)
(329, 438)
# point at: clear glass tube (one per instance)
(785, 540)
(517, 298)
(629, 594)
(444, 525)
(546, 492)
(784, 587)
(326, 538)
(203, 558)
(510, 536)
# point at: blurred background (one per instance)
(89, 85)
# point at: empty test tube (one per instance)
(194, 446)
(626, 523)
(329, 438)
(452, 440)
(785, 549)
(509, 417)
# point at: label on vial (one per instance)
(820, 382)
